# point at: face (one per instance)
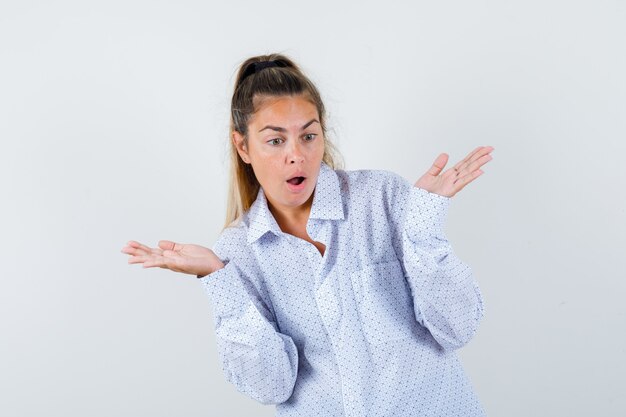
(285, 147)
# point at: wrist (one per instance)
(216, 267)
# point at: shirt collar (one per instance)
(327, 205)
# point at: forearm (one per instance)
(446, 297)
(260, 361)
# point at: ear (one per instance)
(242, 148)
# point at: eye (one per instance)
(309, 137)
(275, 141)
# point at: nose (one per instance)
(294, 153)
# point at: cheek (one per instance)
(266, 168)
(320, 149)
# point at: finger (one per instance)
(156, 251)
(137, 245)
(132, 251)
(140, 251)
(156, 261)
(128, 250)
(485, 150)
(473, 156)
(161, 262)
(461, 182)
(464, 160)
(438, 165)
(477, 164)
(169, 245)
(140, 259)
(153, 264)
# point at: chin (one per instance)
(299, 199)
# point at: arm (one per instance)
(261, 362)
(256, 358)
(446, 297)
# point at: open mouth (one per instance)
(295, 180)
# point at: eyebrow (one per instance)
(282, 129)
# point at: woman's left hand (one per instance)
(454, 179)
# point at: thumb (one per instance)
(169, 245)
(438, 165)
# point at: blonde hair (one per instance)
(252, 85)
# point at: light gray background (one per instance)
(113, 122)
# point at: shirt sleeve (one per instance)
(446, 297)
(259, 360)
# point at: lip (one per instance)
(297, 174)
(297, 188)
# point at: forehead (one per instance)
(283, 111)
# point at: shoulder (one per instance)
(232, 241)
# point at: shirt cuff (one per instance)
(427, 212)
(226, 290)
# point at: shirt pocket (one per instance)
(384, 303)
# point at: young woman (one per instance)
(334, 293)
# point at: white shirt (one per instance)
(367, 330)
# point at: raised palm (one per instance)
(454, 179)
(178, 257)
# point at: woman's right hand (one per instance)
(179, 257)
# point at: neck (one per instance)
(292, 220)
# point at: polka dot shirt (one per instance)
(370, 328)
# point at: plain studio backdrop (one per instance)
(114, 125)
